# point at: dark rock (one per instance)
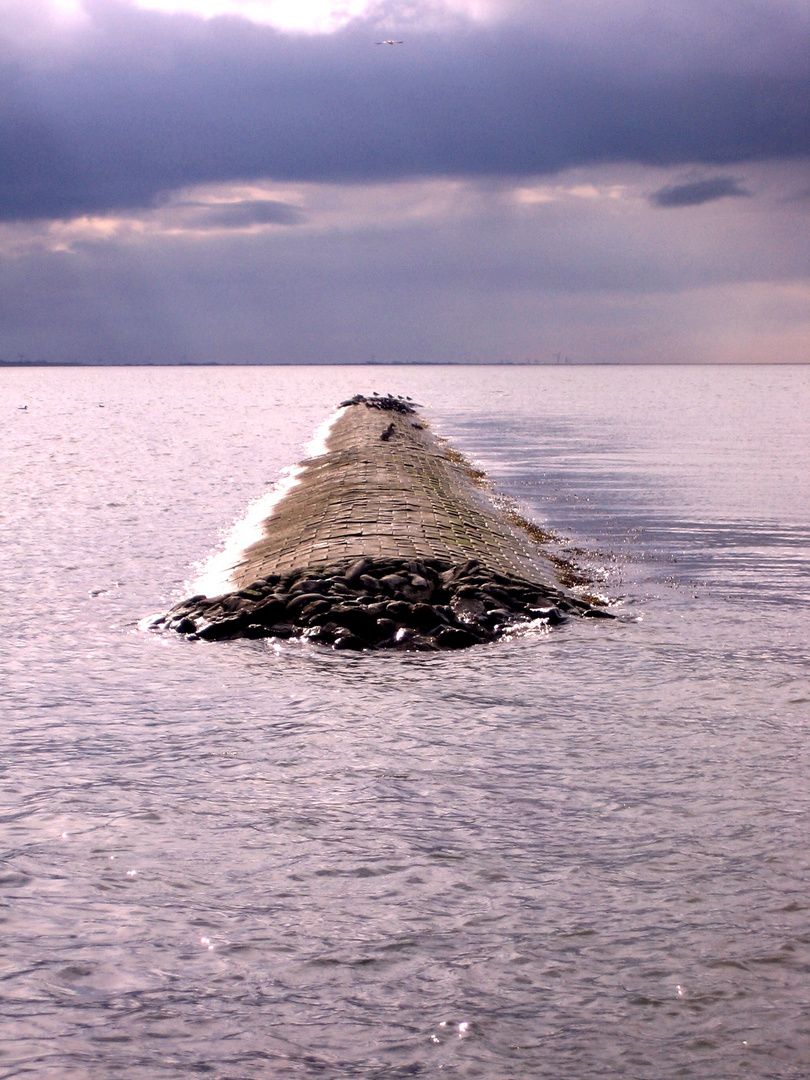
(307, 585)
(408, 638)
(571, 606)
(189, 604)
(445, 613)
(269, 611)
(500, 615)
(467, 607)
(598, 613)
(453, 638)
(362, 566)
(348, 640)
(378, 609)
(418, 588)
(326, 633)
(489, 602)
(253, 595)
(238, 603)
(551, 615)
(298, 602)
(313, 612)
(386, 404)
(356, 619)
(399, 611)
(222, 629)
(386, 628)
(214, 601)
(424, 617)
(386, 566)
(393, 582)
(414, 604)
(503, 597)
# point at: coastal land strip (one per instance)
(388, 540)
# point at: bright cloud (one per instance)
(313, 16)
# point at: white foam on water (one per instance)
(213, 575)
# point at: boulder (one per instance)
(453, 638)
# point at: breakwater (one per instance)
(386, 541)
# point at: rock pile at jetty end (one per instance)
(385, 542)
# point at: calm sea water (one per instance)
(579, 855)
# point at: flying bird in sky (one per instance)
(389, 42)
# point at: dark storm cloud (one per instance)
(135, 104)
(698, 191)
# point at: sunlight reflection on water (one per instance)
(577, 853)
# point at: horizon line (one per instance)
(399, 363)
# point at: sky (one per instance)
(259, 181)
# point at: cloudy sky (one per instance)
(259, 181)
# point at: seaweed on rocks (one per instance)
(415, 605)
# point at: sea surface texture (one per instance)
(574, 854)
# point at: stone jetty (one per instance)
(387, 541)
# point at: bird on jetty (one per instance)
(389, 42)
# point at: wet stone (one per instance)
(221, 630)
(399, 610)
(348, 641)
(269, 611)
(550, 615)
(361, 567)
(301, 601)
(393, 582)
(463, 609)
(455, 638)
(312, 612)
(424, 617)
(306, 585)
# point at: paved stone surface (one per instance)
(387, 487)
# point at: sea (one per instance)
(570, 855)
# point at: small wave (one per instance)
(213, 574)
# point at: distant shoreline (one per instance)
(415, 363)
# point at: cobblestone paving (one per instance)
(387, 487)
